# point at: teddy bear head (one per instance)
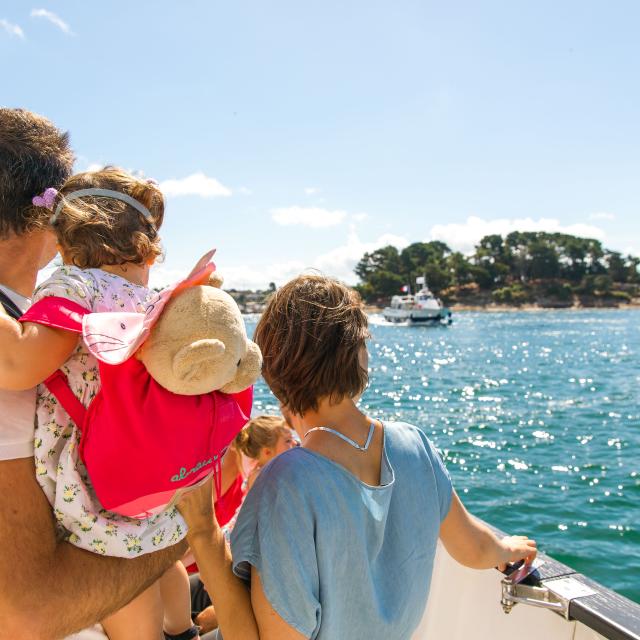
(199, 344)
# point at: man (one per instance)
(48, 588)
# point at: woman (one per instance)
(337, 538)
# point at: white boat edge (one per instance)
(466, 603)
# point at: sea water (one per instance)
(537, 415)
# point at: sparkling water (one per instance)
(537, 415)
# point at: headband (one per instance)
(106, 193)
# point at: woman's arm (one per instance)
(30, 353)
(474, 545)
(241, 615)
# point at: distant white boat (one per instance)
(421, 308)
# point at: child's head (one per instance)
(313, 340)
(34, 156)
(264, 438)
(98, 229)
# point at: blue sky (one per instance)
(301, 134)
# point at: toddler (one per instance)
(263, 439)
(107, 225)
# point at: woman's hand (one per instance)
(473, 544)
(196, 507)
(517, 548)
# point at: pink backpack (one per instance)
(139, 442)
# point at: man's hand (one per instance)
(50, 589)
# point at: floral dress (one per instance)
(59, 470)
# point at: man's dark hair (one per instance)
(34, 155)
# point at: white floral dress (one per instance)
(59, 470)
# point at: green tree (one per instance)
(543, 260)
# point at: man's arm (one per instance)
(50, 589)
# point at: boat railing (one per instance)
(466, 603)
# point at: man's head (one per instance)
(34, 155)
(313, 339)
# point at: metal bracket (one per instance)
(555, 595)
(535, 596)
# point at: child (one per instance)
(108, 242)
(337, 538)
(262, 440)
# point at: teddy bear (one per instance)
(199, 344)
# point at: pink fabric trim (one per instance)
(56, 312)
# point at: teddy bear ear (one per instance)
(215, 280)
(193, 362)
(248, 371)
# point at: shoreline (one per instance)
(531, 308)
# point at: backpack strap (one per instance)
(58, 385)
(9, 305)
(60, 313)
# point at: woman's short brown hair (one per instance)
(311, 335)
(97, 230)
(260, 432)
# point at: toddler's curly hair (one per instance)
(260, 432)
(97, 230)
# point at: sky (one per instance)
(292, 135)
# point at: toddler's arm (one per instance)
(474, 545)
(30, 353)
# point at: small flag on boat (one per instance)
(420, 280)
(405, 289)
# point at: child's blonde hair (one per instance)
(96, 230)
(260, 432)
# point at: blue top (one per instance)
(339, 558)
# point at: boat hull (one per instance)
(465, 603)
(418, 316)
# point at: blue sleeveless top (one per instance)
(339, 558)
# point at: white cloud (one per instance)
(313, 217)
(311, 191)
(11, 29)
(54, 19)
(360, 217)
(197, 184)
(602, 215)
(341, 261)
(338, 263)
(245, 277)
(161, 275)
(464, 236)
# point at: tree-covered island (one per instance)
(523, 268)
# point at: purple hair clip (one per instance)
(152, 181)
(45, 199)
